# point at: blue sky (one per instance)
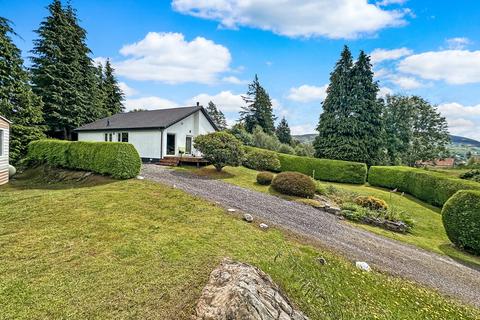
(176, 52)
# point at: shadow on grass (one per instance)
(451, 251)
(44, 177)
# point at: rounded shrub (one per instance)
(265, 178)
(461, 219)
(262, 160)
(371, 203)
(294, 184)
(220, 149)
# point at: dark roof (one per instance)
(150, 119)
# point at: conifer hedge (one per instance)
(117, 159)
(432, 187)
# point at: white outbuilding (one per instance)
(156, 134)
(4, 148)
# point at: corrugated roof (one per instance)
(162, 118)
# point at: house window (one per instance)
(109, 137)
(124, 137)
(1, 143)
(188, 145)
(106, 137)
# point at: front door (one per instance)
(188, 145)
(170, 144)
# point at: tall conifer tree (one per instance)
(283, 132)
(113, 94)
(17, 101)
(217, 116)
(259, 110)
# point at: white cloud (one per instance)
(128, 91)
(168, 57)
(225, 101)
(452, 66)
(307, 93)
(379, 55)
(149, 103)
(458, 43)
(406, 82)
(390, 2)
(303, 129)
(462, 120)
(296, 18)
(384, 91)
(234, 80)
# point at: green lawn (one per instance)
(136, 249)
(428, 232)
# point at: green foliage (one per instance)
(259, 110)
(414, 130)
(294, 184)
(283, 132)
(238, 130)
(285, 148)
(325, 169)
(350, 127)
(217, 116)
(220, 148)
(264, 140)
(261, 160)
(432, 187)
(117, 159)
(304, 150)
(461, 219)
(265, 178)
(113, 95)
(17, 101)
(473, 175)
(371, 203)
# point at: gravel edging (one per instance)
(400, 259)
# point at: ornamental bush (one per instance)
(261, 160)
(461, 219)
(432, 187)
(220, 148)
(117, 159)
(265, 178)
(371, 203)
(294, 184)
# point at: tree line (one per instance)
(355, 125)
(63, 88)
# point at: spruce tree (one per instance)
(259, 111)
(63, 73)
(217, 116)
(113, 94)
(335, 139)
(17, 101)
(283, 132)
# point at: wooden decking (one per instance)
(174, 161)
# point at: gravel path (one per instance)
(430, 269)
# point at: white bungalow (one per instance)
(156, 134)
(4, 146)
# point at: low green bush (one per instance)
(371, 203)
(473, 175)
(461, 219)
(261, 160)
(265, 178)
(432, 187)
(117, 159)
(320, 169)
(294, 184)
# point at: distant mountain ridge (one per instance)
(456, 140)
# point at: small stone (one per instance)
(231, 210)
(140, 177)
(248, 217)
(333, 210)
(263, 226)
(322, 261)
(363, 266)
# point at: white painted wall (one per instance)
(148, 142)
(4, 156)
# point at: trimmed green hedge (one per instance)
(461, 219)
(117, 159)
(325, 169)
(432, 187)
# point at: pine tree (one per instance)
(217, 116)
(63, 73)
(283, 132)
(335, 139)
(113, 94)
(259, 111)
(17, 101)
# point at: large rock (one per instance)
(239, 291)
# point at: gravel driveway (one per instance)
(430, 269)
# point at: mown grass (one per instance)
(428, 232)
(137, 249)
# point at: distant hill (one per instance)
(456, 140)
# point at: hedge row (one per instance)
(432, 187)
(322, 169)
(117, 159)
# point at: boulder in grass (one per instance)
(11, 170)
(237, 290)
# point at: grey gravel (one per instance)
(399, 259)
